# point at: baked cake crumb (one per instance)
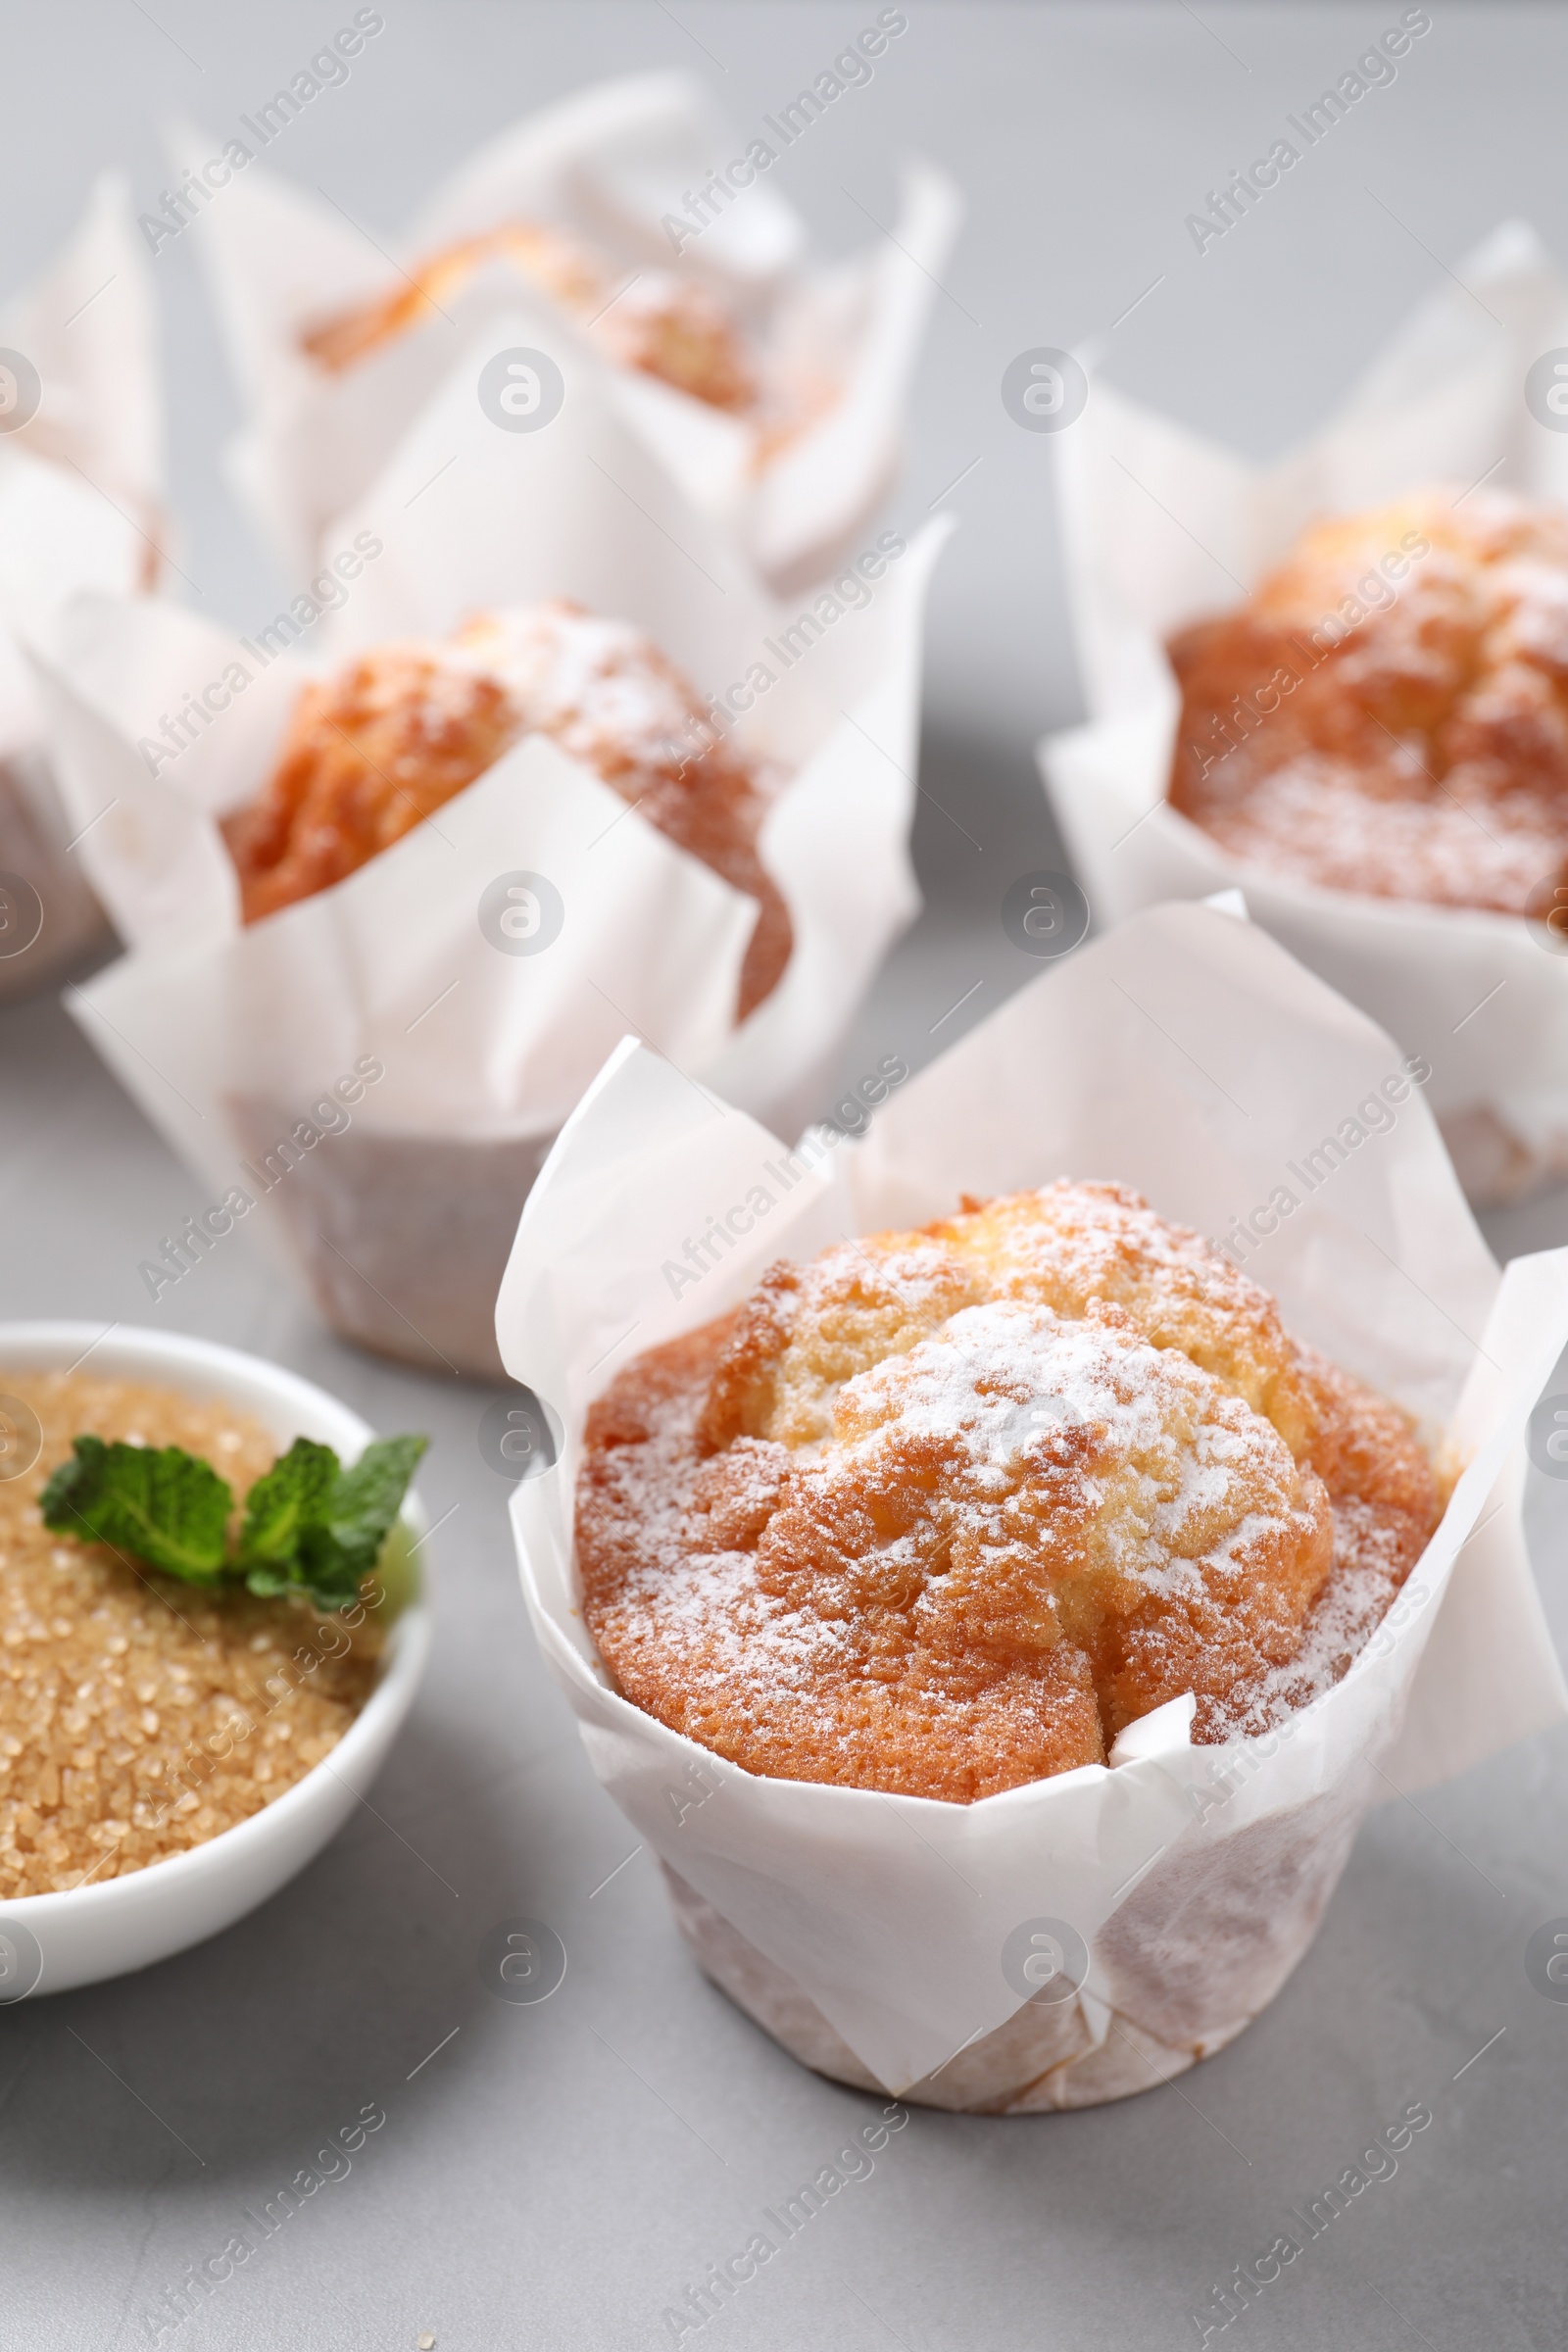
(653, 320)
(374, 750)
(942, 1512)
(1388, 714)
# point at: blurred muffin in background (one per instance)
(394, 735)
(664, 324)
(1388, 712)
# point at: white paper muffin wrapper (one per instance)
(227, 1035)
(1160, 527)
(80, 496)
(1189, 1055)
(610, 164)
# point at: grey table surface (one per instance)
(557, 2175)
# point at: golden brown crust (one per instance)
(944, 1511)
(389, 740)
(1388, 712)
(367, 756)
(663, 326)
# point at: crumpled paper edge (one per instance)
(642, 1760)
(1503, 1094)
(822, 490)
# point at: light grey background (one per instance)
(556, 2175)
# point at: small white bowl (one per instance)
(119, 1924)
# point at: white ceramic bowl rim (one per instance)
(202, 1367)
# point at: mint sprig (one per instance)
(309, 1521)
(166, 1505)
(310, 1527)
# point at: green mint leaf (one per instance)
(270, 1583)
(312, 1526)
(324, 1580)
(369, 1497)
(295, 1494)
(156, 1503)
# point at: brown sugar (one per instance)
(140, 1716)
(943, 1512)
(1388, 715)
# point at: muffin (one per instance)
(661, 324)
(1388, 714)
(944, 1511)
(393, 736)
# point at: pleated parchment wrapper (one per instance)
(81, 506)
(607, 164)
(869, 1933)
(400, 1210)
(1160, 527)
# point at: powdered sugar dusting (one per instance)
(994, 1531)
(1389, 714)
(581, 678)
(1370, 1564)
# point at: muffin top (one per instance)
(662, 324)
(1389, 711)
(375, 748)
(943, 1511)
